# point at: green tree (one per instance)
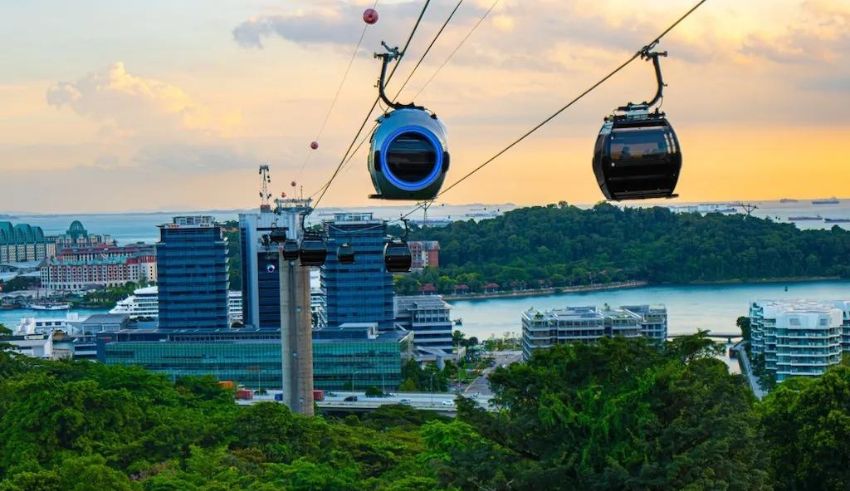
(806, 424)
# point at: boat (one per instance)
(806, 219)
(831, 201)
(789, 200)
(458, 321)
(49, 306)
(836, 220)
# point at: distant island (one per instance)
(566, 246)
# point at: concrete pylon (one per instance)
(296, 337)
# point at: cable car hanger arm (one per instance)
(386, 58)
(646, 54)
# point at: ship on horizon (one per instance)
(836, 220)
(830, 201)
(806, 218)
(789, 200)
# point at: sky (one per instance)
(112, 105)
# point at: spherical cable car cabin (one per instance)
(409, 157)
(397, 256)
(345, 253)
(313, 250)
(290, 250)
(637, 153)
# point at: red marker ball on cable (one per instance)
(314, 145)
(370, 16)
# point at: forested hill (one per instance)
(560, 245)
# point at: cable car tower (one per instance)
(265, 180)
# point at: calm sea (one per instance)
(689, 308)
(142, 227)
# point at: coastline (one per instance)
(547, 291)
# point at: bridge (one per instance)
(728, 336)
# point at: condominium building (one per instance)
(798, 338)
(23, 243)
(192, 267)
(424, 254)
(428, 317)
(544, 329)
(362, 291)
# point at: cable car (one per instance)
(277, 235)
(637, 153)
(345, 253)
(409, 154)
(397, 257)
(290, 250)
(313, 250)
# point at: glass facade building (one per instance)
(260, 275)
(362, 291)
(357, 355)
(193, 275)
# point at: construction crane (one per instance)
(265, 195)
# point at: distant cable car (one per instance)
(637, 153)
(277, 235)
(397, 255)
(313, 249)
(409, 155)
(290, 250)
(370, 16)
(345, 253)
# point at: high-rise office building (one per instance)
(362, 291)
(192, 267)
(260, 275)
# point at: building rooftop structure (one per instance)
(583, 324)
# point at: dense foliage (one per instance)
(562, 245)
(621, 414)
(19, 283)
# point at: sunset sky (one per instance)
(116, 105)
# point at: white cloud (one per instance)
(136, 105)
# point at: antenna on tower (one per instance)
(748, 208)
(265, 195)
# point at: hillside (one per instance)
(621, 414)
(561, 245)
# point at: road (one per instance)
(481, 385)
(441, 402)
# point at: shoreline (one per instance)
(547, 291)
(631, 284)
